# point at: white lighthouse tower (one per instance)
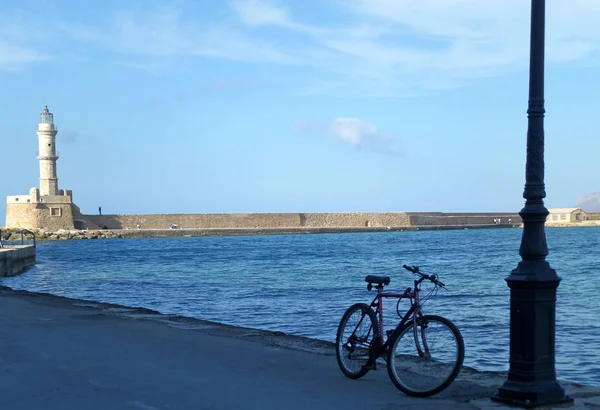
(46, 132)
(46, 207)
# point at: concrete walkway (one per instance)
(58, 353)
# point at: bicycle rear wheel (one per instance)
(424, 362)
(354, 339)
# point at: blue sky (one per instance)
(296, 106)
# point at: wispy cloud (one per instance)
(361, 134)
(355, 132)
(14, 57)
(19, 43)
(488, 36)
(391, 46)
(154, 66)
(261, 13)
(166, 32)
(358, 46)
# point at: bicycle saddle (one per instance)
(380, 280)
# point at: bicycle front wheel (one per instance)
(354, 339)
(423, 361)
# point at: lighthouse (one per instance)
(46, 207)
(46, 132)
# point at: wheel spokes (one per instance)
(425, 358)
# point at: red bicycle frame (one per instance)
(379, 346)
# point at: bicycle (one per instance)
(414, 364)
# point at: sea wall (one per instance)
(354, 219)
(255, 220)
(187, 221)
(55, 217)
(464, 218)
(15, 259)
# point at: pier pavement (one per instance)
(59, 353)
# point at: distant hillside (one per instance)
(589, 202)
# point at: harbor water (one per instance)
(302, 284)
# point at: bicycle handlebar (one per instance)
(413, 269)
(432, 278)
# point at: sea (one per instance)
(302, 284)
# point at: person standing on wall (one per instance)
(99, 210)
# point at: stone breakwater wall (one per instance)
(89, 226)
(250, 221)
(462, 218)
(14, 259)
(298, 220)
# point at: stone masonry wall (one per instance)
(163, 221)
(316, 220)
(20, 215)
(38, 215)
(440, 218)
(258, 220)
(295, 220)
(54, 223)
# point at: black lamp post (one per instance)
(532, 376)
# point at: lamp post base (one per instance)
(530, 395)
(531, 378)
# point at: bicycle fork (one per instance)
(424, 350)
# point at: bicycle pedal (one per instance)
(370, 367)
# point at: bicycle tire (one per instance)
(364, 342)
(451, 367)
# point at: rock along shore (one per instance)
(13, 234)
(62, 353)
